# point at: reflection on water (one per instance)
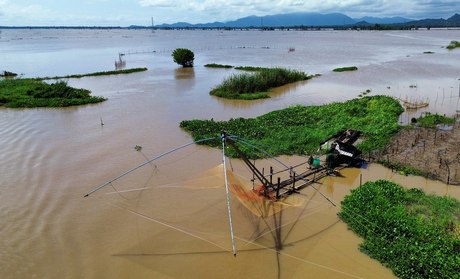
(170, 220)
(184, 73)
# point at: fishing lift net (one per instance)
(177, 204)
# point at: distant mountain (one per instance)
(384, 20)
(453, 21)
(280, 20)
(319, 20)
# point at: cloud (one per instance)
(228, 9)
(160, 3)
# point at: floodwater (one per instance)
(169, 218)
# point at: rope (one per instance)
(165, 224)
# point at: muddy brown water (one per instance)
(178, 228)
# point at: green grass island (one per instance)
(35, 92)
(414, 234)
(256, 85)
(298, 130)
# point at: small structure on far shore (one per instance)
(7, 74)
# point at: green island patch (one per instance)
(251, 68)
(453, 44)
(346, 69)
(29, 93)
(214, 65)
(249, 86)
(300, 129)
(431, 120)
(105, 73)
(414, 234)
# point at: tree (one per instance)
(184, 57)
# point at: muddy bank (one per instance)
(434, 151)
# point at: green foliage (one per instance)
(414, 234)
(214, 65)
(240, 86)
(346, 69)
(184, 57)
(431, 120)
(106, 73)
(33, 93)
(251, 68)
(300, 129)
(453, 44)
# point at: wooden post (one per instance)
(293, 179)
(271, 175)
(278, 189)
(360, 179)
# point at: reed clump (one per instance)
(256, 85)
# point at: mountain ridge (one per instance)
(312, 19)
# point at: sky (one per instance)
(140, 12)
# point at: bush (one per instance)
(184, 57)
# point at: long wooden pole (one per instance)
(228, 196)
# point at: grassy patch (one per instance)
(106, 73)
(214, 65)
(453, 44)
(300, 129)
(30, 93)
(251, 68)
(240, 86)
(431, 120)
(346, 69)
(414, 234)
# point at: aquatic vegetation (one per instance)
(251, 68)
(256, 85)
(30, 93)
(431, 120)
(105, 73)
(300, 129)
(214, 65)
(453, 44)
(414, 234)
(346, 69)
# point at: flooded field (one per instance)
(169, 219)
